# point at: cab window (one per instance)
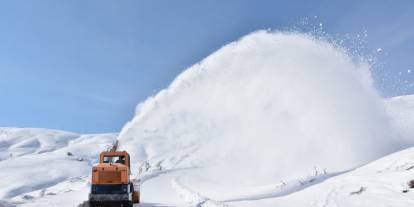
(114, 159)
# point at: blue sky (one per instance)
(83, 65)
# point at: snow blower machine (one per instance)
(111, 184)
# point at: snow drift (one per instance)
(267, 107)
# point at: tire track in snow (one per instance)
(194, 198)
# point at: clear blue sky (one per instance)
(83, 65)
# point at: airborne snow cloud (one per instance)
(269, 106)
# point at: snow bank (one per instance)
(270, 106)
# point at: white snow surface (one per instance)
(35, 162)
(273, 119)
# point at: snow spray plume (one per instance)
(270, 106)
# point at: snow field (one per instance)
(42, 160)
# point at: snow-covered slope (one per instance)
(35, 162)
(402, 117)
(380, 183)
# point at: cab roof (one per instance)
(115, 153)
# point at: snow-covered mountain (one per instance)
(273, 119)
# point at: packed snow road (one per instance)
(159, 191)
(165, 189)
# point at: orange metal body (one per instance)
(111, 173)
(114, 168)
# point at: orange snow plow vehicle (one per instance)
(111, 184)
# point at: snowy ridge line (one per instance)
(194, 198)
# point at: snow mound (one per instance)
(270, 106)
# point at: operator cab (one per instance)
(120, 157)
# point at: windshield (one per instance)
(110, 189)
(114, 159)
